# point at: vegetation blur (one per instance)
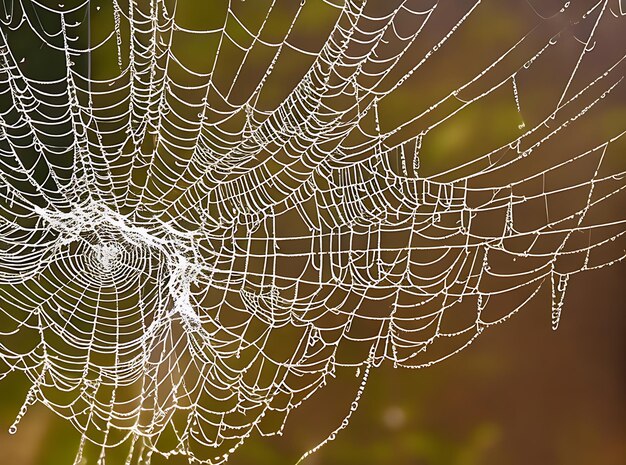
(521, 394)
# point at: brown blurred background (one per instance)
(522, 394)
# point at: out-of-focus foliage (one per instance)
(520, 395)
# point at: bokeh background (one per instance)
(522, 394)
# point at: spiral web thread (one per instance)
(194, 241)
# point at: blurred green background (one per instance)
(522, 394)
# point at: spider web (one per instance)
(205, 212)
